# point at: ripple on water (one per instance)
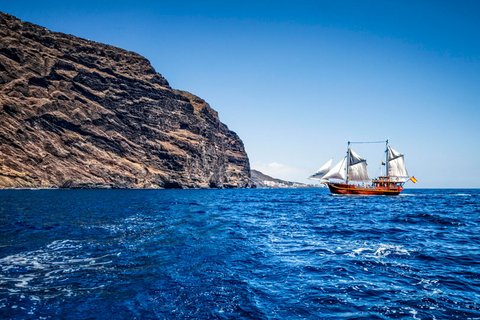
(60, 269)
(263, 254)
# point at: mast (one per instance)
(386, 158)
(348, 159)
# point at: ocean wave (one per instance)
(330, 257)
(43, 270)
(381, 250)
(131, 224)
(428, 218)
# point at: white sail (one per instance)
(338, 171)
(322, 171)
(396, 165)
(357, 167)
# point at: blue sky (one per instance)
(298, 79)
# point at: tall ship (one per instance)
(350, 175)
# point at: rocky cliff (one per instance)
(76, 113)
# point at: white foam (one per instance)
(413, 312)
(22, 281)
(29, 272)
(381, 250)
(385, 250)
(64, 244)
(359, 251)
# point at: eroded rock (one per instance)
(76, 113)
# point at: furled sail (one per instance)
(338, 171)
(357, 167)
(396, 165)
(322, 171)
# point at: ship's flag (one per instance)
(413, 179)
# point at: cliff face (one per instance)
(76, 113)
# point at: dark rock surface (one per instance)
(76, 113)
(261, 180)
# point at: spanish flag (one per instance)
(413, 179)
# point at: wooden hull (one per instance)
(342, 188)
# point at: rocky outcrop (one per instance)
(76, 113)
(261, 180)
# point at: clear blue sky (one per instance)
(297, 79)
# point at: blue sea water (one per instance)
(251, 254)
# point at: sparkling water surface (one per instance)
(251, 254)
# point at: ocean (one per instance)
(239, 254)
